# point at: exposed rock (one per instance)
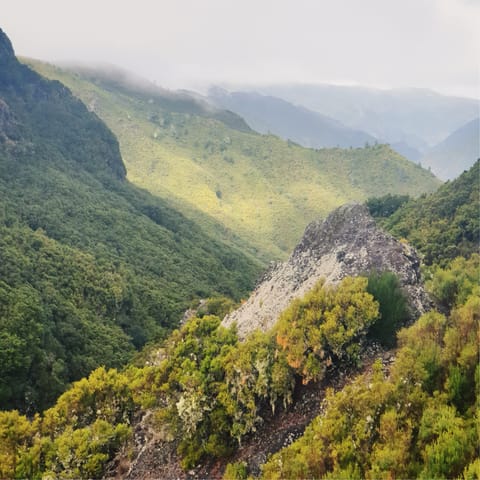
(192, 312)
(6, 49)
(347, 243)
(7, 123)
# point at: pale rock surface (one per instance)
(347, 243)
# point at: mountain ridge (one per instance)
(66, 115)
(179, 101)
(456, 153)
(267, 114)
(346, 243)
(240, 179)
(417, 117)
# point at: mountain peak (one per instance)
(343, 224)
(346, 243)
(45, 112)
(6, 48)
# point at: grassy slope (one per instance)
(260, 187)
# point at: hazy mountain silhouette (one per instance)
(269, 114)
(458, 152)
(419, 118)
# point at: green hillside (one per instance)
(446, 223)
(91, 267)
(211, 391)
(260, 187)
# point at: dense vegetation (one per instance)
(382, 207)
(442, 225)
(394, 312)
(76, 437)
(91, 267)
(58, 310)
(259, 187)
(208, 391)
(328, 325)
(420, 421)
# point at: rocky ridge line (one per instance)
(346, 243)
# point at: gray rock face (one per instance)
(7, 122)
(347, 243)
(6, 49)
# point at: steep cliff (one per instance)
(347, 243)
(44, 114)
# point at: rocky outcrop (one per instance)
(6, 49)
(347, 243)
(7, 123)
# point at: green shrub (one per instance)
(393, 307)
(322, 326)
(236, 471)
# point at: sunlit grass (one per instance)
(260, 187)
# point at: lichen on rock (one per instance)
(346, 243)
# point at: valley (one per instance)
(263, 189)
(182, 296)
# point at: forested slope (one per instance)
(91, 266)
(444, 224)
(203, 393)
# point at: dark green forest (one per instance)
(442, 225)
(91, 267)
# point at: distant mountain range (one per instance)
(419, 117)
(456, 153)
(267, 114)
(412, 121)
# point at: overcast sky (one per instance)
(189, 43)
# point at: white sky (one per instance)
(189, 43)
